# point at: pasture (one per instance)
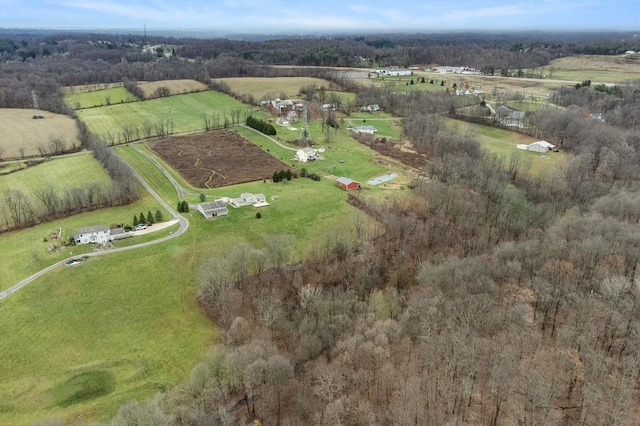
(91, 99)
(22, 136)
(185, 112)
(271, 87)
(61, 173)
(173, 87)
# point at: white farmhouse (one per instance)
(246, 198)
(305, 154)
(96, 234)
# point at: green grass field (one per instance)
(115, 95)
(185, 111)
(61, 173)
(83, 340)
(503, 142)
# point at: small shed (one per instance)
(213, 209)
(347, 184)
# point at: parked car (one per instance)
(140, 227)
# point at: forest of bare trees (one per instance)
(487, 296)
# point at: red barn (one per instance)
(347, 184)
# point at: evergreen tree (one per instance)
(159, 217)
(276, 177)
(179, 207)
(149, 217)
(288, 174)
(135, 220)
(142, 218)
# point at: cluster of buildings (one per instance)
(219, 208)
(539, 146)
(283, 107)
(456, 70)
(390, 72)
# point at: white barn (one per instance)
(539, 146)
(96, 234)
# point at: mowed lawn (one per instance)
(21, 134)
(185, 111)
(271, 87)
(112, 96)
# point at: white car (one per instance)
(140, 227)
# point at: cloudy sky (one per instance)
(325, 16)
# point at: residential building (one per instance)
(213, 209)
(96, 234)
(364, 129)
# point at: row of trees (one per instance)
(261, 126)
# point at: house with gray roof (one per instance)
(213, 209)
(95, 234)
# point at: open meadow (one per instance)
(185, 112)
(23, 136)
(271, 87)
(90, 99)
(61, 173)
(503, 143)
(172, 87)
(597, 68)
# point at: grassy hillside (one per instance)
(112, 96)
(185, 111)
(61, 173)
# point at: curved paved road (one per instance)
(184, 225)
(179, 189)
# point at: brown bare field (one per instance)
(271, 87)
(216, 159)
(19, 130)
(176, 87)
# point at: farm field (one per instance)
(21, 134)
(111, 96)
(184, 111)
(214, 159)
(61, 172)
(89, 87)
(271, 87)
(175, 87)
(597, 68)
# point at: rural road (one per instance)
(179, 189)
(184, 225)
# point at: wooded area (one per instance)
(486, 296)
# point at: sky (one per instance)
(325, 16)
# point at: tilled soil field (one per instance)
(216, 159)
